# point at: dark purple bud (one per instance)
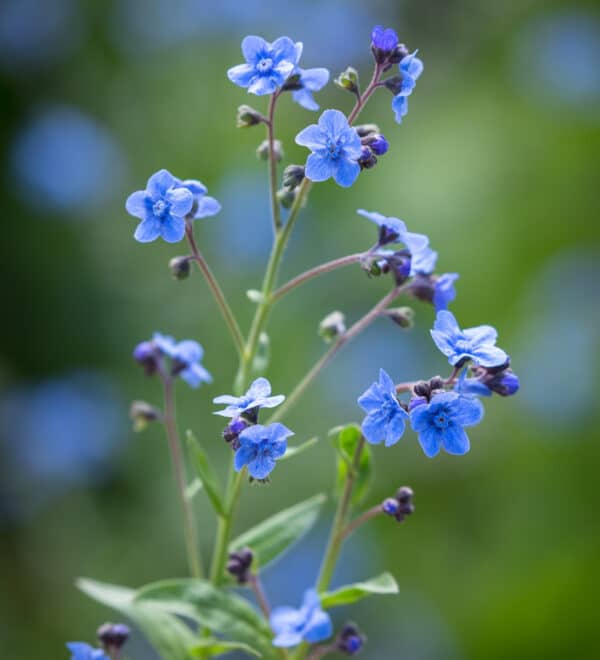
(390, 506)
(399, 265)
(417, 401)
(239, 564)
(232, 431)
(367, 159)
(423, 288)
(350, 640)
(394, 84)
(286, 197)
(376, 142)
(400, 52)
(367, 129)
(113, 636)
(423, 389)
(505, 383)
(147, 355)
(406, 507)
(436, 383)
(180, 267)
(405, 494)
(293, 176)
(383, 43)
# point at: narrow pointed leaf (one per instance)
(382, 584)
(211, 647)
(298, 449)
(205, 473)
(345, 440)
(167, 634)
(270, 538)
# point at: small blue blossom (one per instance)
(83, 651)
(259, 447)
(411, 68)
(309, 80)
(203, 206)
(423, 261)
(443, 290)
(162, 208)
(309, 623)
(257, 396)
(386, 419)
(477, 344)
(186, 356)
(267, 65)
(393, 230)
(384, 40)
(336, 149)
(440, 423)
(471, 386)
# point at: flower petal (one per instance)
(489, 356)
(243, 456)
(467, 411)
(395, 428)
(272, 401)
(287, 638)
(181, 200)
(207, 206)
(262, 85)
(430, 442)
(172, 229)
(196, 374)
(319, 168)
(312, 137)
(386, 382)
(254, 47)
(346, 172)
(318, 627)
(242, 74)
(400, 107)
(259, 388)
(148, 230)
(137, 204)
(314, 79)
(371, 398)
(374, 427)
(285, 617)
(481, 334)
(305, 98)
(262, 466)
(455, 440)
(284, 49)
(333, 123)
(227, 399)
(159, 183)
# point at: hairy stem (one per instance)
(218, 294)
(189, 527)
(261, 597)
(352, 526)
(275, 209)
(364, 97)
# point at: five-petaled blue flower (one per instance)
(477, 344)
(260, 446)
(393, 230)
(204, 205)
(336, 149)
(162, 208)
(83, 651)
(440, 423)
(411, 68)
(309, 623)
(443, 290)
(186, 356)
(267, 65)
(385, 418)
(257, 396)
(309, 80)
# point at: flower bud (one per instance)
(142, 413)
(232, 431)
(239, 564)
(180, 267)
(417, 401)
(404, 496)
(293, 176)
(505, 383)
(286, 197)
(247, 116)
(390, 506)
(350, 640)
(367, 129)
(262, 151)
(293, 83)
(348, 80)
(332, 326)
(377, 143)
(113, 636)
(146, 354)
(400, 52)
(403, 316)
(422, 388)
(367, 159)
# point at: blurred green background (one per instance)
(497, 161)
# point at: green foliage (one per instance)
(210, 607)
(382, 584)
(298, 449)
(205, 472)
(273, 536)
(169, 636)
(346, 439)
(211, 647)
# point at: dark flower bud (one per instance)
(378, 144)
(399, 265)
(367, 159)
(247, 116)
(332, 326)
(142, 413)
(402, 316)
(146, 354)
(498, 369)
(239, 564)
(436, 383)
(180, 267)
(405, 503)
(400, 52)
(367, 129)
(350, 640)
(232, 431)
(390, 506)
(293, 83)
(405, 494)
(417, 401)
(293, 176)
(394, 84)
(113, 636)
(348, 80)
(423, 288)
(505, 383)
(286, 197)
(422, 388)
(263, 151)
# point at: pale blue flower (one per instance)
(83, 651)
(310, 80)
(257, 396)
(393, 230)
(309, 623)
(204, 205)
(411, 68)
(260, 446)
(386, 419)
(186, 356)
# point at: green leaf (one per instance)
(221, 612)
(382, 584)
(346, 439)
(212, 647)
(298, 449)
(205, 473)
(273, 536)
(167, 634)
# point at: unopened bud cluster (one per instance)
(399, 506)
(239, 564)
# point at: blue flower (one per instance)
(259, 447)
(257, 396)
(309, 623)
(186, 356)
(393, 230)
(336, 149)
(477, 344)
(384, 40)
(309, 80)
(82, 651)
(411, 68)
(385, 418)
(471, 386)
(441, 422)
(443, 290)
(203, 206)
(267, 65)
(162, 208)
(423, 261)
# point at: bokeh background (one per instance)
(497, 161)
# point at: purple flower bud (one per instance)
(505, 383)
(233, 430)
(390, 506)
(417, 401)
(113, 636)
(350, 640)
(383, 43)
(146, 354)
(367, 159)
(379, 145)
(239, 564)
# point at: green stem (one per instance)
(218, 294)
(189, 527)
(352, 332)
(275, 209)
